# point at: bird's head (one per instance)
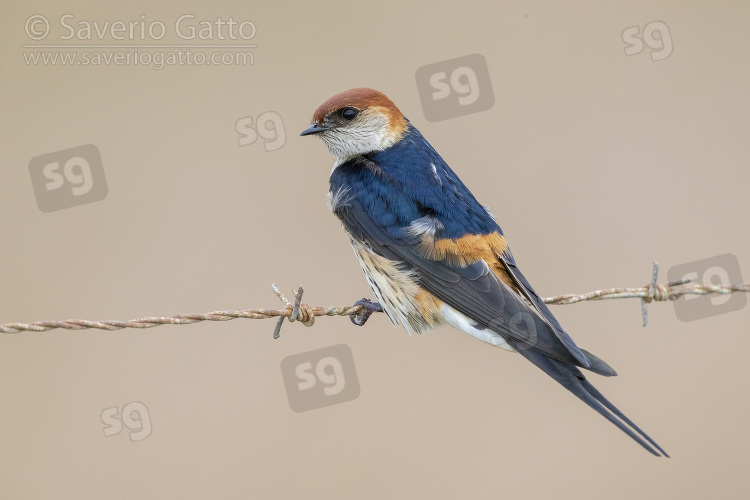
(357, 122)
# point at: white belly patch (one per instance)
(461, 322)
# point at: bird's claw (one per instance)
(368, 307)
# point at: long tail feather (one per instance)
(600, 397)
(572, 379)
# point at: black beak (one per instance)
(315, 128)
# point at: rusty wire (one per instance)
(306, 314)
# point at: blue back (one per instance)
(412, 180)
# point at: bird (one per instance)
(432, 254)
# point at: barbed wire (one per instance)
(306, 314)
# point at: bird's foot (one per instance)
(368, 307)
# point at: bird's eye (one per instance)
(349, 114)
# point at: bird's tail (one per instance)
(573, 380)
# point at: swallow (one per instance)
(432, 254)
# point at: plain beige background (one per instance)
(594, 163)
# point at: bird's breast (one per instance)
(398, 291)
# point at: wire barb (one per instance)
(300, 312)
(306, 314)
(651, 288)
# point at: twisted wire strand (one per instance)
(647, 293)
(306, 314)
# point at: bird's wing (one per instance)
(475, 291)
(522, 286)
(479, 293)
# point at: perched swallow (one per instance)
(433, 254)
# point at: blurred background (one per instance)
(602, 137)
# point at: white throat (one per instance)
(371, 133)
